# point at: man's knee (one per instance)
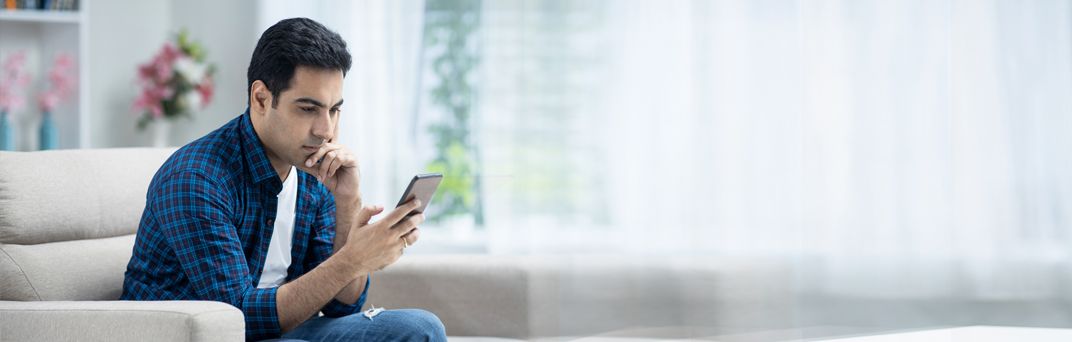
(416, 325)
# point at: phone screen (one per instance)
(422, 187)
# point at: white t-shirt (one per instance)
(278, 259)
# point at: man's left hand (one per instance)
(338, 170)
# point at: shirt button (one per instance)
(270, 221)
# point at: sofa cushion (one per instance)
(69, 270)
(63, 195)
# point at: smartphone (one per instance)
(421, 187)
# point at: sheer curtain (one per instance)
(893, 148)
(911, 153)
(900, 149)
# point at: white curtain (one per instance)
(892, 148)
(909, 159)
(900, 149)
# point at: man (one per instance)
(265, 212)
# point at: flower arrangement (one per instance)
(174, 82)
(13, 80)
(60, 84)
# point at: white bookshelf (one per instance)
(44, 35)
(38, 16)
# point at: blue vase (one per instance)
(7, 136)
(48, 132)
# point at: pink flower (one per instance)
(48, 100)
(169, 53)
(148, 101)
(13, 67)
(151, 99)
(163, 70)
(61, 81)
(9, 100)
(206, 88)
(12, 79)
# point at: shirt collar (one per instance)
(257, 161)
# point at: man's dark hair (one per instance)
(291, 43)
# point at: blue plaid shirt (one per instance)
(207, 222)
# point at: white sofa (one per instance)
(66, 225)
(67, 220)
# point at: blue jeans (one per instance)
(389, 325)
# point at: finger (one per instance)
(412, 237)
(348, 160)
(400, 213)
(316, 156)
(402, 228)
(337, 164)
(408, 225)
(417, 220)
(366, 214)
(325, 164)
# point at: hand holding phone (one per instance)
(421, 187)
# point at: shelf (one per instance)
(41, 16)
(43, 35)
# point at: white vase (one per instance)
(161, 132)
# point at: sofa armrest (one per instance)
(582, 295)
(120, 321)
(474, 295)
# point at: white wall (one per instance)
(120, 40)
(228, 31)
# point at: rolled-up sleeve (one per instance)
(336, 308)
(193, 215)
(321, 247)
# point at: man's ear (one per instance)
(259, 97)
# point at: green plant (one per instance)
(450, 40)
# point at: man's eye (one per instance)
(309, 109)
(335, 111)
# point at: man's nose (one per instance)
(323, 128)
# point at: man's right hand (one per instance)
(367, 249)
(372, 247)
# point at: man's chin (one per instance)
(298, 162)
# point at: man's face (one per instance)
(305, 117)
